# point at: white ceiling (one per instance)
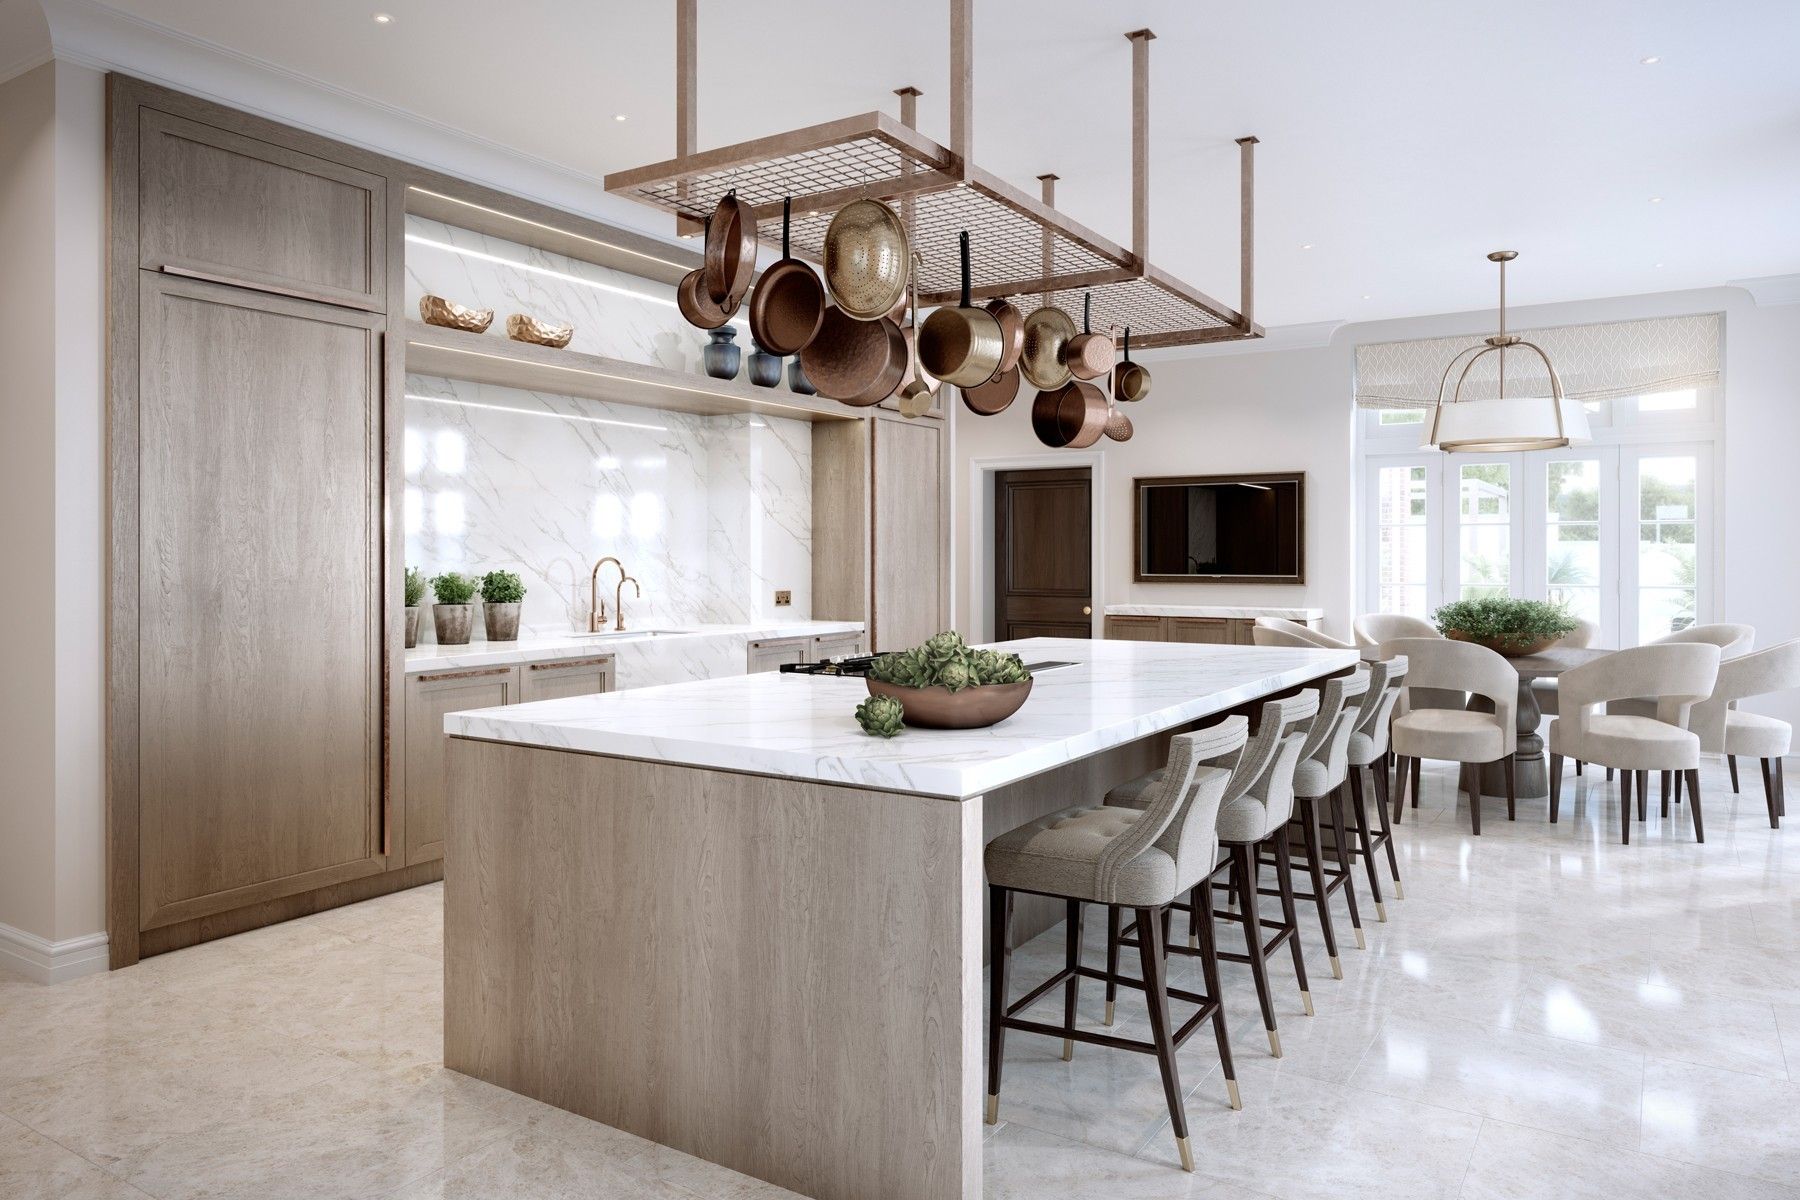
(1401, 139)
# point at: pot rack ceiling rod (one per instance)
(823, 167)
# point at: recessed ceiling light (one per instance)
(1656, 199)
(384, 18)
(618, 116)
(1659, 266)
(1306, 245)
(1366, 296)
(1651, 61)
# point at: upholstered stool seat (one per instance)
(1058, 854)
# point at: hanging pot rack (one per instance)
(1026, 251)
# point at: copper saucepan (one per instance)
(1088, 355)
(1047, 331)
(858, 362)
(961, 345)
(1131, 382)
(1012, 331)
(697, 307)
(730, 252)
(1072, 416)
(788, 305)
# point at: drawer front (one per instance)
(233, 209)
(770, 653)
(1135, 629)
(836, 645)
(556, 680)
(1210, 631)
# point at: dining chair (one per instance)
(1274, 631)
(1460, 735)
(1723, 728)
(1731, 638)
(1543, 690)
(1375, 629)
(1673, 676)
(1122, 858)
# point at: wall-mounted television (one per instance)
(1220, 528)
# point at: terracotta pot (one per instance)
(412, 627)
(940, 708)
(453, 621)
(1507, 646)
(502, 621)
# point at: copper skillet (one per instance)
(730, 252)
(987, 399)
(858, 362)
(695, 304)
(788, 305)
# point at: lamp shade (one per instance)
(1498, 426)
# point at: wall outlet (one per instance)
(783, 598)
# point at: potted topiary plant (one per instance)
(944, 684)
(1510, 626)
(452, 613)
(501, 592)
(415, 592)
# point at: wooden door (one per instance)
(911, 540)
(1209, 631)
(1043, 565)
(258, 559)
(556, 680)
(429, 697)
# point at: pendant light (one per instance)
(1498, 425)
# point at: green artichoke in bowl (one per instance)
(881, 716)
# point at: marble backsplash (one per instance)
(711, 514)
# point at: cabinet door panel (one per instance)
(556, 680)
(1135, 629)
(770, 653)
(224, 206)
(828, 646)
(910, 532)
(259, 496)
(1209, 631)
(428, 698)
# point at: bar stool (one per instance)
(1122, 858)
(1253, 812)
(1368, 750)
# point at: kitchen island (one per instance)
(719, 916)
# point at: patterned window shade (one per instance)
(1594, 362)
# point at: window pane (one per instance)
(1401, 416)
(1574, 490)
(1666, 489)
(1669, 401)
(1668, 559)
(1486, 534)
(1583, 602)
(1402, 564)
(1663, 610)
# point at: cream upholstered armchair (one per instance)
(1375, 629)
(1545, 689)
(1723, 729)
(1672, 677)
(1273, 631)
(1732, 640)
(1456, 734)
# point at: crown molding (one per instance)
(1770, 289)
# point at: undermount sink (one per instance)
(626, 633)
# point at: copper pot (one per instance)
(1131, 382)
(730, 251)
(858, 362)
(1046, 332)
(788, 305)
(961, 345)
(1012, 332)
(697, 306)
(987, 399)
(867, 260)
(1072, 416)
(1088, 355)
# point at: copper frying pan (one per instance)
(987, 399)
(691, 297)
(858, 362)
(730, 251)
(788, 305)
(1012, 332)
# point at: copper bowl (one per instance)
(938, 707)
(1508, 647)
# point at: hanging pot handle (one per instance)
(1087, 311)
(1128, 343)
(964, 242)
(787, 211)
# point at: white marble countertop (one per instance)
(541, 648)
(1230, 611)
(802, 727)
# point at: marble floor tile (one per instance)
(1742, 1124)
(1027, 1164)
(534, 1166)
(1515, 1163)
(33, 1166)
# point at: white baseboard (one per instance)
(44, 961)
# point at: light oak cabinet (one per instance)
(563, 678)
(827, 646)
(910, 531)
(1135, 629)
(1208, 631)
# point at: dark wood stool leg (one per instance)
(1731, 765)
(1112, 959)
(1693, 778)
(1609, 774)
(1194, 913)
(1284, 882)
(1359, 809)
(1071, 960)
(1387, 832)
(1556, 765)
(1341, 843)
(1315, 865)
(1663, 787)
(1209, 970)
(1643, 795)
(1624, 805)
(999, 963)
(1401, 771)
(1243, 855)
(1578, 766)
(1150, 954)
(1512, 791)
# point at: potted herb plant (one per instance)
(501, 592)
(452, 613)
(1505, 624)
(415, 592)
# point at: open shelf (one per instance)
(498, 360)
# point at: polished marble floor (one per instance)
(1546, 1014)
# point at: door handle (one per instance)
(1087, 610)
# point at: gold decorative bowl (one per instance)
(521, 328)
(938, 707)
(435, 310)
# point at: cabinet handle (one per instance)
(570, 664)
(463, 674)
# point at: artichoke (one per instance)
(880, 716)
(945, 647)
(956, 675)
